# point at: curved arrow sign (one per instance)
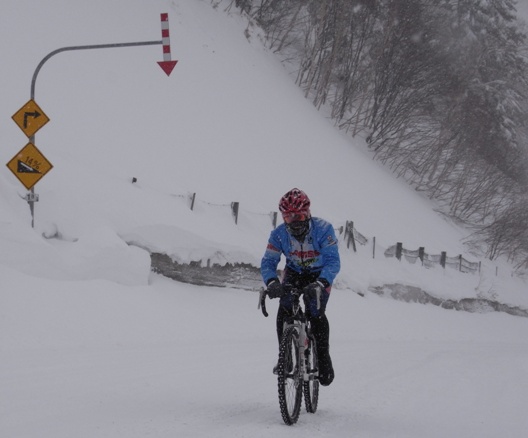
(30, 118)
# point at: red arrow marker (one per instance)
(167, 65)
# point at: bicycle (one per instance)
(297, 370)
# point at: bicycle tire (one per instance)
(290, 383)
(311, 386)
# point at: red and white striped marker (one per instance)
(167, 64)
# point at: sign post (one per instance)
(30, 165)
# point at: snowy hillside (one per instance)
(93, 344)
(227, 125)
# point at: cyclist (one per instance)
(312, 262)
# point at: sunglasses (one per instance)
(294, 217)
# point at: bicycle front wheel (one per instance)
(290, 383)
(311, 386)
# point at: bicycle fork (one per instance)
(306, 371)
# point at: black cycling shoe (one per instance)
(326, 378)
(326, 371)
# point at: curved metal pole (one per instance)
(97, 46)
(31, 200)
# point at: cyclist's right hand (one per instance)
(275, 289)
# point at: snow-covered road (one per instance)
(94, 360)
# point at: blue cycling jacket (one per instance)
(317, 254)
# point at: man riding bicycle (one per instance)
(312, 263)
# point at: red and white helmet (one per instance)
(295, 202)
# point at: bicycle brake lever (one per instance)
(262, 302)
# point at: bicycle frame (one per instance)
(298, 320)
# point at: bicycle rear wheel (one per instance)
(311, 386)
(289, 377)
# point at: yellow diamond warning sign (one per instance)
(29, 165)
(30, 118)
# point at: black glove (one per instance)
(317, 286)
(275, 289)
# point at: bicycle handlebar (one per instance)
(264, 292)
(262, 302)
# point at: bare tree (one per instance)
(439, 88)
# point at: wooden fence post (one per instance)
(399, 250)
(191, 197)
(421, 253)
(443, 257)
(349, 232)
(234, 210)
(374, 247)
(273, 215)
